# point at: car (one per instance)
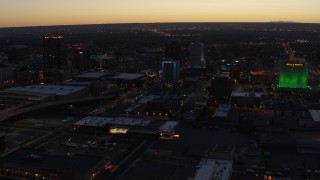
(286, 169)
(269, 173)
(308, 171)
(253, 166)
(85, 146)
(316, 171)
(250, 171)
(278, 174)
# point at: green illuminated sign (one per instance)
(293, 76)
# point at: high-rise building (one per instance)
(18, 54)
(6, 73)
(170, 71)
(54, 52)
(196, 52)
(81, 57)
(173, 50)
(221, 86)
(2, 142)
(294, 73)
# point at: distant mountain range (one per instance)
(283, 22)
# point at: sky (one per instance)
(15, 13)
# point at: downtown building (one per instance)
(81, 57)
(196, 52)
(54, 52)
(221, 86)
(18, 54)
(173, 50)
(170, 71)
(294, 74)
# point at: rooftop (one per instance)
(102, 121)
(127, 76)
(246, 94)
(132, 108)
(221, 148)
(168, 126)
(26, 158)
(47, 89)
(214, 169)
(91, 75)
(315, 114)
(19, 46)
(225, 76)
(100, 57)
(93, 121)
(297, 59)
(146, 99)
(223, 110)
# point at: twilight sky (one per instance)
(59, 12)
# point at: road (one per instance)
(135, 154)
(17, 112)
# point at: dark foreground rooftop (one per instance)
(36, 159)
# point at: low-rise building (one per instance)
(222, 113)
(214, 169)
(56, 92)
(246, 99)
(95, 124)
(169, 130)
(223, 152)
(311, 121)
(6, 73)
(221, 86)
(35, 164)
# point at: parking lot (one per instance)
(44, 121)
(15, 137)
(109, 147)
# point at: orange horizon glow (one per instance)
(59, 12)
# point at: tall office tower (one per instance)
(18, 54)
(170, 71)
(221, 86)
(173, 50)
(2, 142)
(81, 57)
(196, 51)
(294, 73)
(54, 52)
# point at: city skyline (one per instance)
(45, 12)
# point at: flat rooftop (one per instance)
(102, 121)
(246, 94)
(223, 110)
(47, 89)
(221, 148)
(214, 169)
(26, 158)
(225, 76)
(100, 57)
(132, 108)
(93, 121)
(127, 76)
(315, 114)
(146, 99)
(168, 126)
(91, 75)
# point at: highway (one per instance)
(16, 112)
